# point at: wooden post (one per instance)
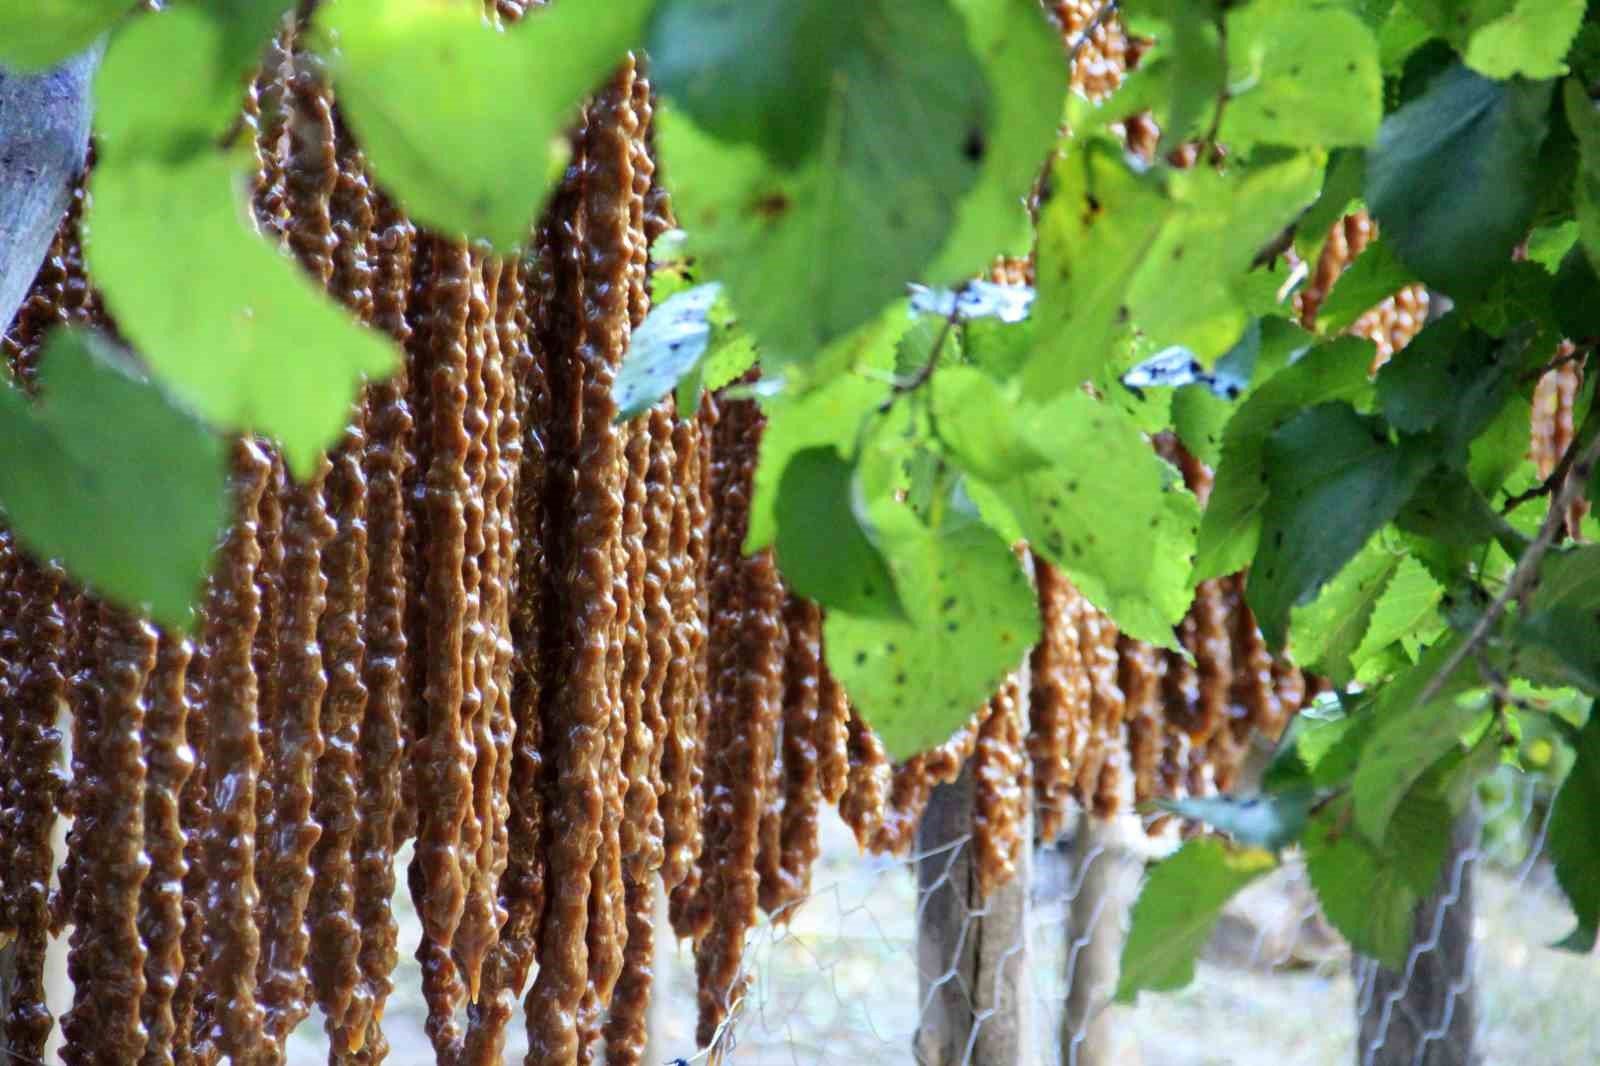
(1426, 1015)
(1107, 864)
(973, 954)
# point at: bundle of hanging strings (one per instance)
(502, 628)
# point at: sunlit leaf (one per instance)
(1325, 633)
(1529, 41)
(458, 119)
(41, 33)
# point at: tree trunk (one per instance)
(973, 954)
(1426, 1015)
(1108, 863)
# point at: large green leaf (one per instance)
(1529, 41)
(812, 248)
(1584, 119)
(1231, 526)
(1364, 891)
(1096, 230)
(1409, 736)
(249, 340)
(1333, 480)
(109, 475)
(1300, 74)
(970, 618)
(1574, 844)
(825, 553)
(458, 119)
(1451, 383)
(1558, 638)
(1452, 179)
(1022, 57)
(1177, 909)
(1408, 601)
(41, 33)
(1106, 498)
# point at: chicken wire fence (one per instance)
(840, 982)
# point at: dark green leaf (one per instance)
(1408, 736)
(1364, 892)
(1451, 512)
(459, 119)
(1177, 909)
(1333, 479)
(1452, 383)
(970, 618)
(825, 553)
(1558, 640)
(1270, 820)
(1375, 276)
(107, 474)
(1451, 179)
(812, 250)
(1231, 525)
(1584, 120)
(41, 33)
(1574, 844)
(1577, 311)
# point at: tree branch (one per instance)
(1524, 573)
(44, 139)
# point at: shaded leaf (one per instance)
(825, 553)
(1452, 177)
(1177, 909)
(1574, 845)
(109, 475)
(1363, 891)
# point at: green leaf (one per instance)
(1231, 525)
(1584, 119)
(1185, 72)
(1106, 499)
(1573, 843)
(1364, 892)
(1177, 909)
(1409, 736)
(1200, 417)
(1333, 479)
(249, 341)
(1557, 642)
(1022, 57)
(1375, 276)
(1195, 282)
(825, 553)
(1452, 177)
(1452, 383)
(1576, 311)
(1098, 227)
(41, 33)
(1270, 820)
(976, 419)
(1341, 194)
(815, 247)
(1300, 75)
(1408, 600)
(1401, 34)
(1528, 41)
(109, 475)
(970, 618)
(1325, 633)
(830, 415)
(459, 119)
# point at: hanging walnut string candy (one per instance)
(1054, 707)
(833, 733)
(582, 710)
(1140, 670)
(194, 817)
(11, 668)
(233, 758)
(801, 792)
(36, 659)
(867, 784)
(387, 463)
(105, 1020)
(169, 763)
(1001, 788)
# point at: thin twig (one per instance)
(1101, 13)
(1561, 360)
(1523, 574)
(1556, 479)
